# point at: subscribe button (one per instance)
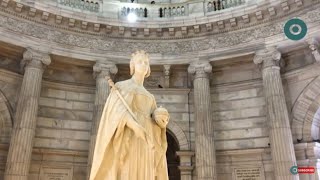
(302, 170)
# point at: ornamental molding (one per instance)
(206, 26)
(46, 31)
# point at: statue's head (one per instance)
(140, 62)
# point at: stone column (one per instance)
(313, 45)
(21, 144)
(100, 71)
(186, 166)
(281, 143)
(204, 140)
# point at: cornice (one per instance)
(27, 32)
(221, 22)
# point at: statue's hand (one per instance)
(161, 116)
(162, 120)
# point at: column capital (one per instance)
(200, 68)
(314, 46)
(267, 57)
(101, 70)
(36, 59)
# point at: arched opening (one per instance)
(305, 113)
(5, 120)
(172, 158)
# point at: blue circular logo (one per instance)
(295, 29)
(294, 170)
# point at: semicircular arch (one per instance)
(179, 135)
(306, 124)
(6, 122)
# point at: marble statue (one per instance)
(131, 142)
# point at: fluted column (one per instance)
(204, 140)
(21, 144)
(281, 143)
(100, 71)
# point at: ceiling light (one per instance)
(132, 17)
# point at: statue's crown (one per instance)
(161, 111)
(140, 53)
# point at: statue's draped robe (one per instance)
(119, 154)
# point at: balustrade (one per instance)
(86, 5)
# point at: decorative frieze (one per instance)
(71, 22)
(259, 15)
(4, 3)
(171, 31)
(220, 24)
(84, 25)
(209, 26)
(299, 2)
(133, 31)
(246, 18)
(285, 6)
(58, 19)
(272, 11)
(18, 7)
(159, 31)
(189, 45)
(121, 30)
(108, 29)
(32, 12)
(184, 30)
(96, 27)
(233, 22)
(146, 32)
(45, 16)
(196, 28)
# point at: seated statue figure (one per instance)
(131, 142)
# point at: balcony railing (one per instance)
(86, 5)
(172, 11)
(152, 11)
(217, 5)
(140, 12)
